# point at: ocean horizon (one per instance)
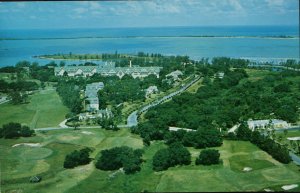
(281, 42)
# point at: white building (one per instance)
(179, 128)
(263, 124)
(219, 75)
(107, 69)
(91, 92)
(151, 90)
(175, 75)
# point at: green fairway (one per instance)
(44, 110)
(21, 162)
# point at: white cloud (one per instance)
(236, 5)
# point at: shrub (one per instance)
(208, 157)
(15, 130)
(77, 158)
(176, 154)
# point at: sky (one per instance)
(148, 13)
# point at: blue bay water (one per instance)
(133, 40)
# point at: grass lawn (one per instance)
(19, 163)
(255, 74)
(45, 109)
(195, 86)
(229, 176)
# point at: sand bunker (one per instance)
(68, 137)
(87, 132)
(268, 190)
(289, 187)
(293, 138)
(247, 169)
(28, 144)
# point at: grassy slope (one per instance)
(44, 110)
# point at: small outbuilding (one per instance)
(35, 179)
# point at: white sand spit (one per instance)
(87, 132)
(247, 169)
(27, 144)
(289, 187)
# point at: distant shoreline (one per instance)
(66, 57)
(50, 58)
(184, 36)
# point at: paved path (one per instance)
(295, 158)
(63, 124)
(51, 128)
(132, 119)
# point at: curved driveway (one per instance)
(132, 119)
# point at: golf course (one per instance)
(44, 155)
(45, 109)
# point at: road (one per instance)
(132, 119)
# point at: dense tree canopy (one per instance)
(77, 158)
(108, 124)
(115, 158)
(243, 132)
(174, 155)
(208, 157)
(18, 86)
(15, 130)
(223, 103)
(69, 91)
